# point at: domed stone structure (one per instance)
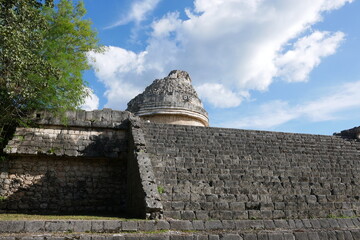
(171, 100)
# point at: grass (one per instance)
(15, 217)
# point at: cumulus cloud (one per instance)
(137, 13)
(232, 44)
(214, 94)
(91, 101)
(120, 71)
(295, 65)
(326, 108)
(164, 26)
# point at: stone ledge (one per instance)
(106, 118)
(118, 226)
(353, 234)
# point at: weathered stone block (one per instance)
(301, 236)
(213, 225)
(112, 226)
(34, 226)
(231, 236)
(162, 225)
(214, 237)
(180, 225)
(147, 226)
(12, 226)
(276, 236)
(198, 225)
(250, 236)
(129, 226)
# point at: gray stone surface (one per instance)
(162, 225)
(276, 236)
(112, 226)
(233, 174)
(147, 225)
(181, 225)
(301, 236)
(59, 226)
(213, 225)
(69, 142)
(12, 226)
(172, 94)
(34, 226)
(353, 133)
(250, 236)
(129, 226)
(44, 184)
(214, 174)
(231, 236)
(143, 191)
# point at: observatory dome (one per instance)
(171, 100)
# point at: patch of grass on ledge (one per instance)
(17, 217)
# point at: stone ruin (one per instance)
(159, 160)
(170, 100)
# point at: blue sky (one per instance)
(279, 65)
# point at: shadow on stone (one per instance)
(88, 180)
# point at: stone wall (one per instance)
(214, 173)
(69, 141)
(108, 161)
(76, 166)
(143, 197)
(46, 184)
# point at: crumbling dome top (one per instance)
(170, 100)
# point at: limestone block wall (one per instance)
(73, 167)
(215, 173)
(47, 184)
(69, 141)
(143, 196)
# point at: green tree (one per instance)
(43, 51)
(67, 41)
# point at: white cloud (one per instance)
(326, 108)
(162, 27)
(214, 94)
(114, 61)
(334, 4)
(295, 65)
(237, 44)
(342, 98)
(137, 12)
(114, 68)
(269, 115)
(91, 101)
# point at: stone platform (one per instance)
(280, 229)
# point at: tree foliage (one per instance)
(42, 56)
(67, 41)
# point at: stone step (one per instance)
(353, 234)
(133, 226)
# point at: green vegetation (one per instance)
(43, 51)
(13, 217)
(161, 189)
